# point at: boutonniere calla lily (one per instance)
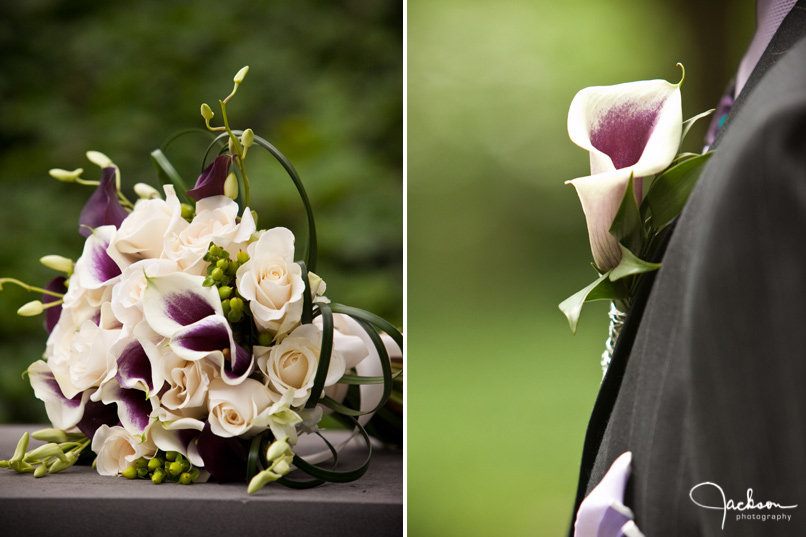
(630, 129)
(639, 183)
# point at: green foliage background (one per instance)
(499, 391)
(325, 86)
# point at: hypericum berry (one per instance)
(175, 469)
(130, 473)
(217, 274)
(158, 476)
(264, 339)
(224, 292)
(155, 463)
(243, 257)
(142, 462)
(236, 304)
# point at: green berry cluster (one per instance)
(221, 273)
(170, 466)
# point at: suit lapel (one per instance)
(790, 31)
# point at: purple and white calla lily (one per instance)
(628, 129)
(602, 513)
(180, 308)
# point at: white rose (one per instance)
(292, 364)
(216, 221)
(241, 410)
(117, 449)
(142, 234)
(127, 294)
(89, 359)
(272, 282)
(188, 385)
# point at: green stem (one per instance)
(29, 288)
(236, 144)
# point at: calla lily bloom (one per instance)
(178, 307)
(53, 313)
(602, 513)
(628, 129)
(103, 208)
(211, 181)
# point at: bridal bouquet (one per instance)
(639, 183)
(187, 342)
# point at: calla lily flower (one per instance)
(602, 513)
(53, 313)
(103, 207)
(211, 181)
(178, 307)
(628, 129)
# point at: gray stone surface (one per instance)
(78, 501)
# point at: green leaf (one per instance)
(630, 265)
(602, 289)
(167, 174)
(324, 356)
(687, 124)
(671, 189)
(254, 457)
(628, 227)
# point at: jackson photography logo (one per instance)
(748, 509)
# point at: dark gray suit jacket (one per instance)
(708, 380)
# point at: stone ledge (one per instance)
(78, 501)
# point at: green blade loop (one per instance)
(167, 174)
(334, 476)
(254, 456)
(378, 321)
(324, 356)
(307, 300)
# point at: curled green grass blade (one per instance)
(324, 356)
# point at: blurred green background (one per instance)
(499, 391)
(325, 86)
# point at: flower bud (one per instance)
(70, 459)
(22, 447)
(241, 75)
(40, 471)
(59, 263)
(282, 468)
(231, 186)
(248, 138)
(262, 479)
(146, 192)
(99, 159)
(45, 452)
(30, 309)
(206, 112)
(66, 176)
(55, 435)
(277, 449)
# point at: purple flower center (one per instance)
(624, 130)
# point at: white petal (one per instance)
(178, 300)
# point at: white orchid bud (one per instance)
(66, 176)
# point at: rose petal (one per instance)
(103, 207)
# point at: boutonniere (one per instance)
(639, 183)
